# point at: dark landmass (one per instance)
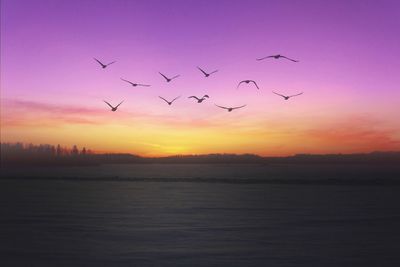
(272, 181)
(18, 154)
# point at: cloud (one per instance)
(51, 108)
(30, 113)
(22, 113)
(356, 133)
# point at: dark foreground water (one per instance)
(105, 222)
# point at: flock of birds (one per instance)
(206, 74)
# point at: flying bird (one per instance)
(205, 73)
(277, 57)
(287, 97)
(104, 65)
(247, 82)
(199, 100)
(168, 79)
(230, 109)
(169, 102)
(135, 84)
(113, 108)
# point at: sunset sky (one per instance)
(52, 90)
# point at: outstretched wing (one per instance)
(255, 84)
(127, 81)
(194, 97)
(108, 104)
(290, 59)
(175, 98)
(165, 77)
(296, 94)
(205, 73)
(264, 58)
(176, 76)
(239, 107)
(213, 72)
(146, 85)
(98, 61)
(279, 94)
(221, 106)
(119, 103)
(206, 96)
(164, 99)
(111, 63)
(240, 84)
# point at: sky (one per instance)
(52, 90)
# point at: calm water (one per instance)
(133, 223)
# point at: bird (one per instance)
(248, 81)
(230, 109)
(277, 57)
(199, 100)
(113, 108)
(169, 102)
(287, 97)
(135, 84)
(168, 79)
(104, 65)
(205, 73)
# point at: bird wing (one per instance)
(194, 97)
(176, 76)
(206, 96)
(165, 77)
(127, 81)
(163, 99)
(221, 106)
(108, 104)
(175, 98)
(98, 61)
(279, 94)
(240, 84)
(119, 103)
(264, 57)
(290, 59)
(205, 73)
(146, 85)
(111, 63)
(213, 72)
(239, 107)
(296, 94)
(255, 84)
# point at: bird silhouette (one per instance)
(135, 84)
(199, 100)
(277, 57)
(247, 82)
(113, 108)
(169, 102)
(103, 65)
(168, 79)
(230, 109)
(205, 73)
(287, 97)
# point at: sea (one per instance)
(201, 215)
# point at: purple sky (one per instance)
(349, 54)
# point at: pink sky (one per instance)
(52, 89)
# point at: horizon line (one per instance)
(99, 152)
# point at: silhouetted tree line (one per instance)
(49, 155)
(44, 154)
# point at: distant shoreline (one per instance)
(242, 181)
(386, 158)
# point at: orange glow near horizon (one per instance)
(157, 135)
